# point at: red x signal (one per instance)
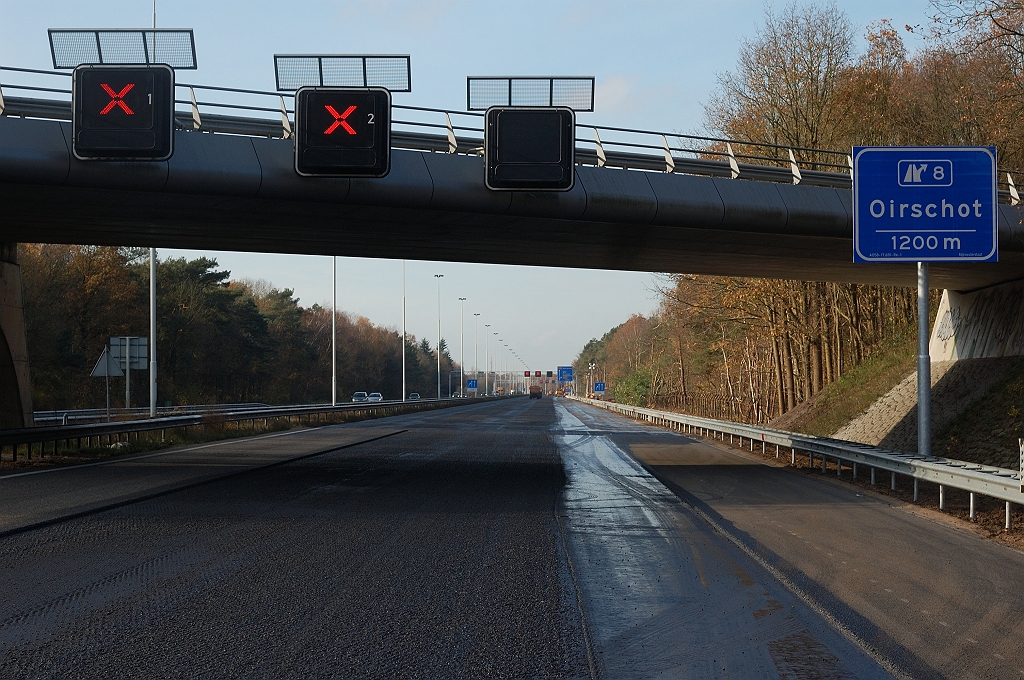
(339, 120)
(117, 99)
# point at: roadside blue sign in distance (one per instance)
(565, 374)
(925, 204)
(599, 387)
(471, 384)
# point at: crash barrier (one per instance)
(985, 480)
(41, 440)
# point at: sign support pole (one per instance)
(152, 320)
(924, 366)
(106, 376)
(127, 373)
(404, 392)
(334, 330)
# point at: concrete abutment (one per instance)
(15, 383)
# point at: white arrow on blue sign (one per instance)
(925, 204)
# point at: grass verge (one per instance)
(856, 390)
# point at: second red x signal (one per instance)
(342, 132)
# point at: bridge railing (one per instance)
(38, 439)
(1001, 483)
(263, 113)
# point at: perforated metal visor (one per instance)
(294, 71)
(574, 92)
(71, 48)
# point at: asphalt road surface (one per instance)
(510, 539)
(935, 598)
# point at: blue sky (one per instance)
(655, 64)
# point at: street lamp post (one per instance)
(476, 347)
(438, 277)
(403, 331)
(462, 351)
(334, 330)
(152, 313)
(486, 359)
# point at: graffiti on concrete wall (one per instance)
(987, 323)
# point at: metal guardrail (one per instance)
(1001, 483)
(94, 415)
(266, 114)
(114, 432)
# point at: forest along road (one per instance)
(898, 577)
(491, 540)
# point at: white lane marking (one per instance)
(158, 453)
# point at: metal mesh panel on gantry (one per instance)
(390, 72)
(484, 93)
(295, 72)
(531, 92)
(343, 70)
(576, 93)
(71, 48)
(171, 48)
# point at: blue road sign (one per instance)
(925, 204)
(565, 374)
(471, 384)
(599, 388)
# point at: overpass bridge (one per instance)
(639, 202)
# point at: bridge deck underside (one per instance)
(224, 192)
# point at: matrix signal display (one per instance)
(123, 113)
(530, 149)
(342, 132)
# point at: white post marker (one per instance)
(1020, 444)
(924, 204)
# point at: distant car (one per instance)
(360, 396)
(536, 392)
(375, 396)
(414, 396)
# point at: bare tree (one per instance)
(786, 88)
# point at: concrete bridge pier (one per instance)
(15, 385)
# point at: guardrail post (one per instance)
(810, 459)
(855, 470)
(915, 493)
(839, 467)
(892, 484)
(942, 495)
(792, 454)
(973, 514)
(872, 476)
(824, 464)
(1008, 524)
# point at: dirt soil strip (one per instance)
(30, 500)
